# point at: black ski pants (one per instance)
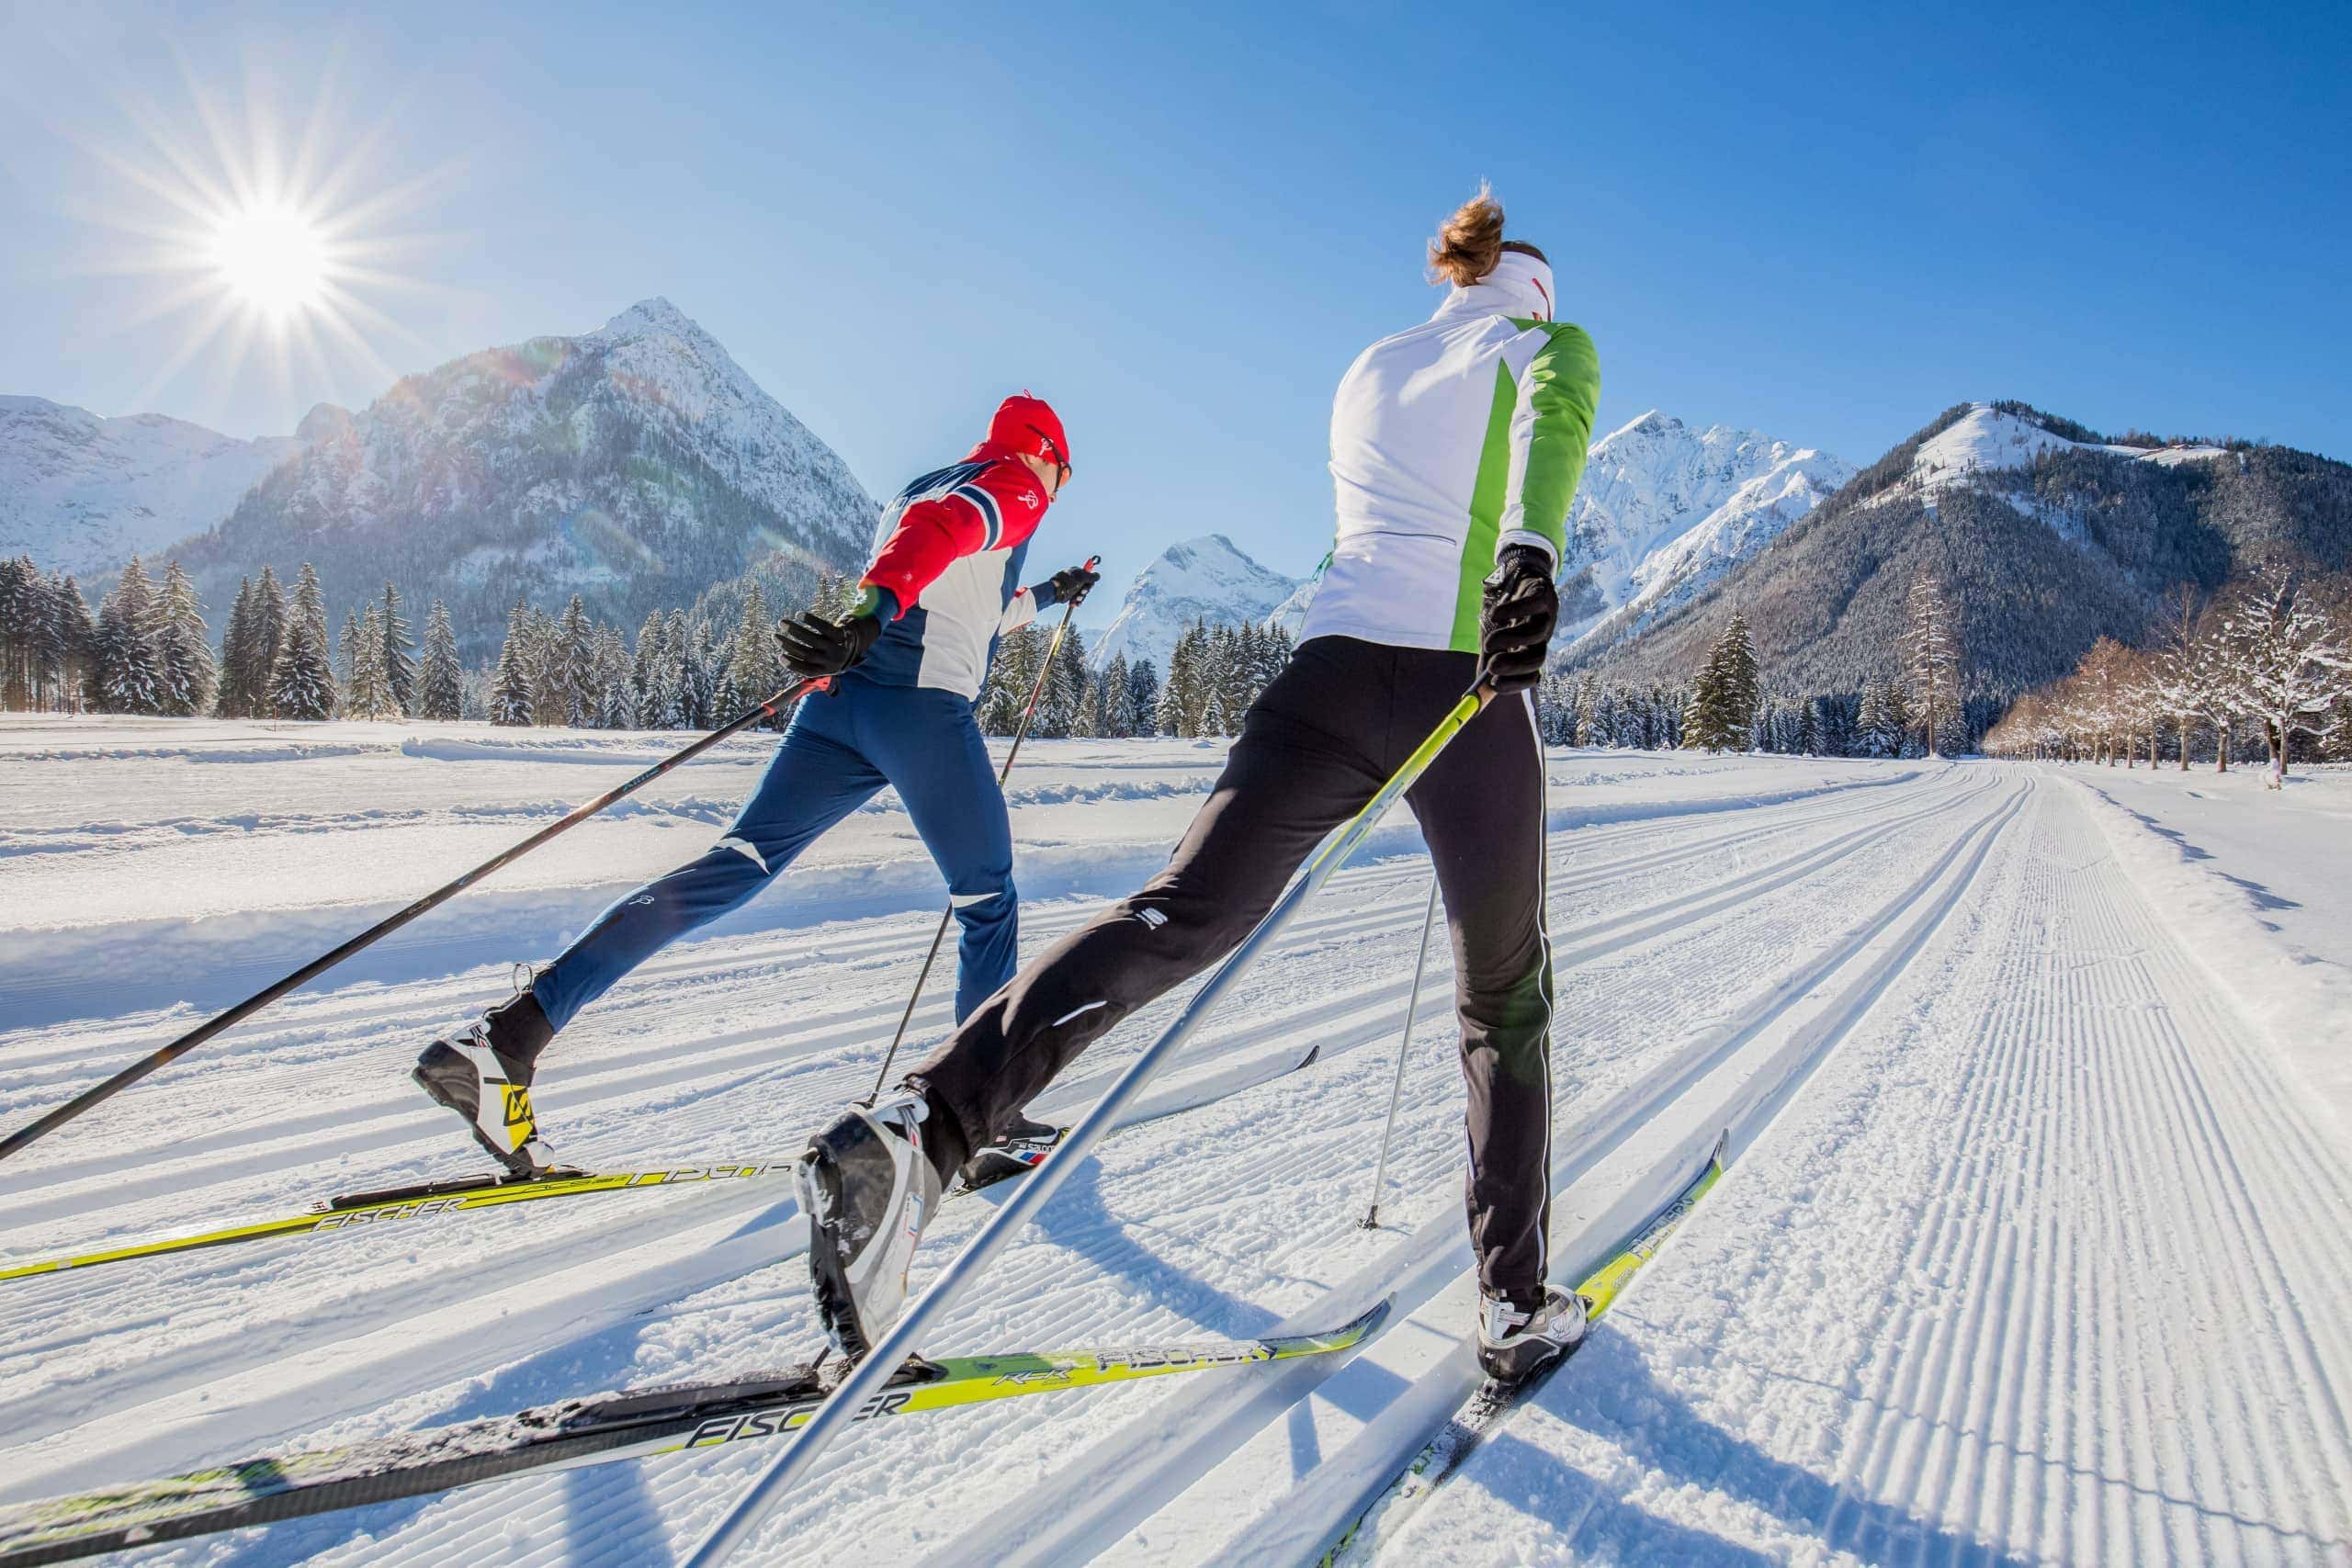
(1326, 734)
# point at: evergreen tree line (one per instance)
(1914, 711)
(1214, 674)
(2262, 669)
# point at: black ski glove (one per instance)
(1519, 611)
(813, 647)
(1072, 586)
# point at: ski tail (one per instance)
(678, 1419)
(1487, 1409)
(427, 1200)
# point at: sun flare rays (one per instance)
(256, 241)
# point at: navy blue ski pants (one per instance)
(843, 747)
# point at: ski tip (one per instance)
(1723, 1143)
(1312, 1052)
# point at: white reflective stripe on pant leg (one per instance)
(744, 847)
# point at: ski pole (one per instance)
(849, 1396)
(1021, 733)
(1397, 1089)
(385, 926)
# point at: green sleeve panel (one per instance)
(1486, 512)
(1563, 391)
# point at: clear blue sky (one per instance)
(1181, 223)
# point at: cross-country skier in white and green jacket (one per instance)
(1456, 445)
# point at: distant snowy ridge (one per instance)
(1665, 511)
(637, 466)
(1989, 439)
(1208, 579)
(82, 493)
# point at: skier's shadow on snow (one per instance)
(1607, 1389)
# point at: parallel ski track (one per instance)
(1152, 1468)
(1379, 896)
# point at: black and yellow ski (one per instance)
(1493, 1402)
(430, 1201)
(679, 1419)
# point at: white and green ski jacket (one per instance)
(1448, 442)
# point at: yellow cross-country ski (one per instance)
(679, 1419)
(432, 1201)
(1493, 1402)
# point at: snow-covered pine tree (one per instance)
(184, 646)
(440, 680)
(1059, 710)
(572, 654)
(346, 650)
(1899, 713)
(644, 671)
(18, 590)
(129, 673)
(77, 637)
(615, 706)
(303, 681)
(369, 694)
(1931, 654)
(229, 699)
(754, 667)
(1011, 675)
(271, 616)
(398, 655)
(1183, 701)
(1118, 707)
(1143, 697)
(514, 686)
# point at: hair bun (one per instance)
(1471, 241)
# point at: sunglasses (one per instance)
(1062, 458)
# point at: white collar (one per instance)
(1519, 285)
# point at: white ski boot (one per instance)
(1513, 1346)
(868, 1189)
(491, 1087)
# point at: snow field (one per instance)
(1927, 1003)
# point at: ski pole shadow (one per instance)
(1609, 1391)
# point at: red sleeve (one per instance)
(995, 509)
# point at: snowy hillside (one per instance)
(2020, 1254)
(1987, 439)
(1664, 511)
(1205, 578)
(637, 466)
(2057, 536)
(83, 494)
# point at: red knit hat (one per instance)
(1029, 425)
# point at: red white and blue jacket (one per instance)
(949, 552)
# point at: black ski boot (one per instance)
(1024, 1147)
(483, 1073)
(1513, 1346)
(868, 1188)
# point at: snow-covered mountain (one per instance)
(84, 494)
(637, 466)
(1207, 579)
(2051, 534)
(1664, 511)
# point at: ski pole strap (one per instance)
(891, 1352)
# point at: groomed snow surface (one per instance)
(2032, 1245)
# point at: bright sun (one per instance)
(272, 258)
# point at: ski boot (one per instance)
(1513, 1346)
(1023, 1148)
(483, 1073)
(868, 1187)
